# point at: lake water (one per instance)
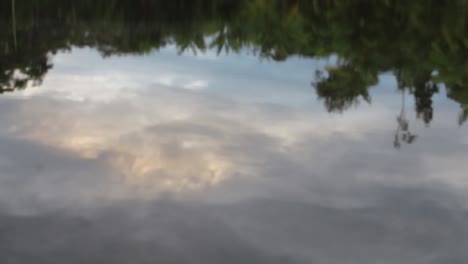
(233, 132)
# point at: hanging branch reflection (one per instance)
(402, 133)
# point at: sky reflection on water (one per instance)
(183, 159)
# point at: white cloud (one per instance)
(196, 85)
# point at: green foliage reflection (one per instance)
(424, 42)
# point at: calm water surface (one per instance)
(233, 132)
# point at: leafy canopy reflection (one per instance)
(423, 42)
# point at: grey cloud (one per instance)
(252, 231)
(36, 177)
(161, 232)
(326, 197)
(421, 232)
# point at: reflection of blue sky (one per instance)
(230, 76)
(115, 107)
(236, 153)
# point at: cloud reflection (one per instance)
(187, 174)
(161, 139)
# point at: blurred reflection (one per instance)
(107, 158)
(151, 175)
(402, 133)
(413, 39)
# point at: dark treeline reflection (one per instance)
(423, 42)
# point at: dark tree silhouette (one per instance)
(416, 38)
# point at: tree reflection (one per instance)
(403, 134)
(460, 95)
(343, 87)
(413, 38)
